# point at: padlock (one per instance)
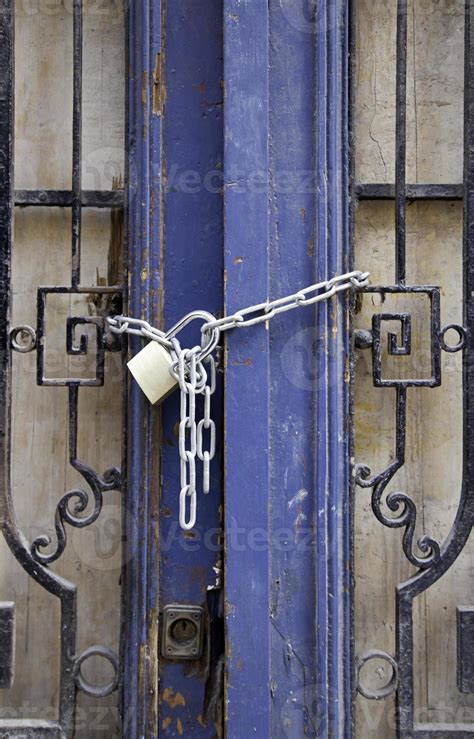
(151, 370)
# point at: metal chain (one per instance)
(193, 379)
(266, 311)
(212, 326)
(187, 378)
(206, 455)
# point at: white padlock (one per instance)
(151, 370)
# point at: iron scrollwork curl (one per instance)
(80, 499)
(400, 504)
(72, 507)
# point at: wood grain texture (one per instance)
(40, 458)
(433, 470)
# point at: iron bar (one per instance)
(77, 145)
(6, 190)
(65, 198)
(386, 191)
(400, 143)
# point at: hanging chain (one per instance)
(206, 423)
(193, 378)
(187, 377)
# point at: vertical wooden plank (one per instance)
(293, 344)
(246, 142)
(332, 393)
(287, 449)
(191, 561)
(144, 238)
(175, 127)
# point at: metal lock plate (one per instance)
(182, 634)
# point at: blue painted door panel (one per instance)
(176, 255)
(193, 278)
(279, 157)
(286, 411)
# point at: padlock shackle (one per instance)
(210, 337)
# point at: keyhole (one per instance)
(183, 631)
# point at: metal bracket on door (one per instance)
(182, 634)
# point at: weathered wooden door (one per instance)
(166, 156)
(226, 212)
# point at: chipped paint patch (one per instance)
(229, 608)
(166, 722)
(159, 88)
(173, 700)
(247, 362)
(298, 498)
(179, 727)
(300, 518)
(144, 88)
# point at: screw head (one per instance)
(171, 614)
(170, 649)
(194, 650)
(196, 616)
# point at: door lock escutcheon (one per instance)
(182, 634)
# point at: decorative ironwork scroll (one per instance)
(73, 506)
(397, 509)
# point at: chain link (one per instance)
(193, 379)
(206, 455)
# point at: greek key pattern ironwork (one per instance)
(78, 507)
(432, 559)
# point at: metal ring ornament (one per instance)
(96, 691)
(16, 332)
(462, 334)
(386, 690)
